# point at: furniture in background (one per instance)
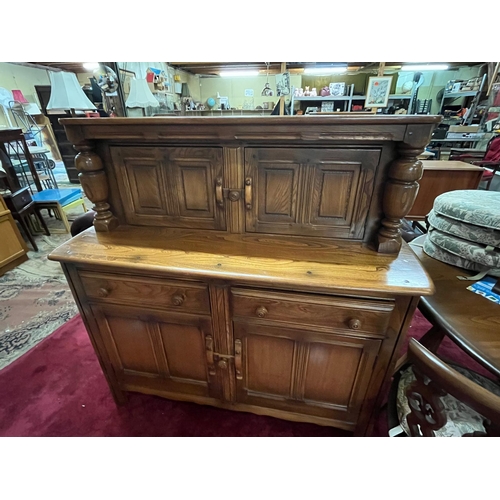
(451, 97)
(13, 249)
(440, 177)
(490, 159)
(429, 397)
(252, 264)
(23, 208)
(60, 201)
(469, 319)
(13, 144)
(66, 149)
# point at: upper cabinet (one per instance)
(173, 187)
(347, 178)
(308, 191)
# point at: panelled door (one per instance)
(156, 350)
(174, 187)
(310, 192)
(320, 374)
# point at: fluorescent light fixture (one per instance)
(225, 74)
(424, 67)
(91, 66)
(325, 70)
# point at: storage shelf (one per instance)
(460, 94)
(320, 98)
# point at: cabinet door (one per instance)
(173, 187)
(324, 375)
(316, 192)
(156, 351)
(12, 246)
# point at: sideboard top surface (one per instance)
(268, 261)
(414, 130)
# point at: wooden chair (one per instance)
(431, 398)
(490, 160)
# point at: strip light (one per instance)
(91, 65)
(328, 70)
(225, 74)
(424, 67)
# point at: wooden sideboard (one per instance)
(252, 264)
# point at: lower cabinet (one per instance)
(297, 370)
(155, 350)
(287, 354)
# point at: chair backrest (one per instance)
(434, 379)
(10, 173)
(493, 152)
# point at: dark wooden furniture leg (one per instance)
(431, 340)
(25, 228)
(42, 221)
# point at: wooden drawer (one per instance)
(328, 313)
(176, 295)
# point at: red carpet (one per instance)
(58, 389)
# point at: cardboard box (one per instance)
(463, 128)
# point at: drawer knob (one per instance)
(177, 300)
(354, 324)
(103, 292)
(261, 311)
(222, 364)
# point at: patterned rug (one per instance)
(35, 300)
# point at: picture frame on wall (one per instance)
(377, 93)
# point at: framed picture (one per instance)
(377, 93)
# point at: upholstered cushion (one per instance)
(461, 419)
(481, 208)
(447, 257)
(473, 252)
(470, 232)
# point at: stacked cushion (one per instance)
(464, 230)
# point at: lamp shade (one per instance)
(66, 93)
(140, 95)
(19, 97)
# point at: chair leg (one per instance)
(25, 228)
(42, 221)
(62, 214)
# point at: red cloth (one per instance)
(493, 153)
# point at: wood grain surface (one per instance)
(279, 261)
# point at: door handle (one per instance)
(237, 359)
(219, 195)
(248, 193)
(209, 347)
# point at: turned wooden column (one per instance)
(95, 184)
(399, 195)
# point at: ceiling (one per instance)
(213, 68)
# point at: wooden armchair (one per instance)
(431, 398)
(490, 159)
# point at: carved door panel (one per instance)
(173, 187)
(156, 350)
(324, 375)
(316, 192)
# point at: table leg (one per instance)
(430, 340)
